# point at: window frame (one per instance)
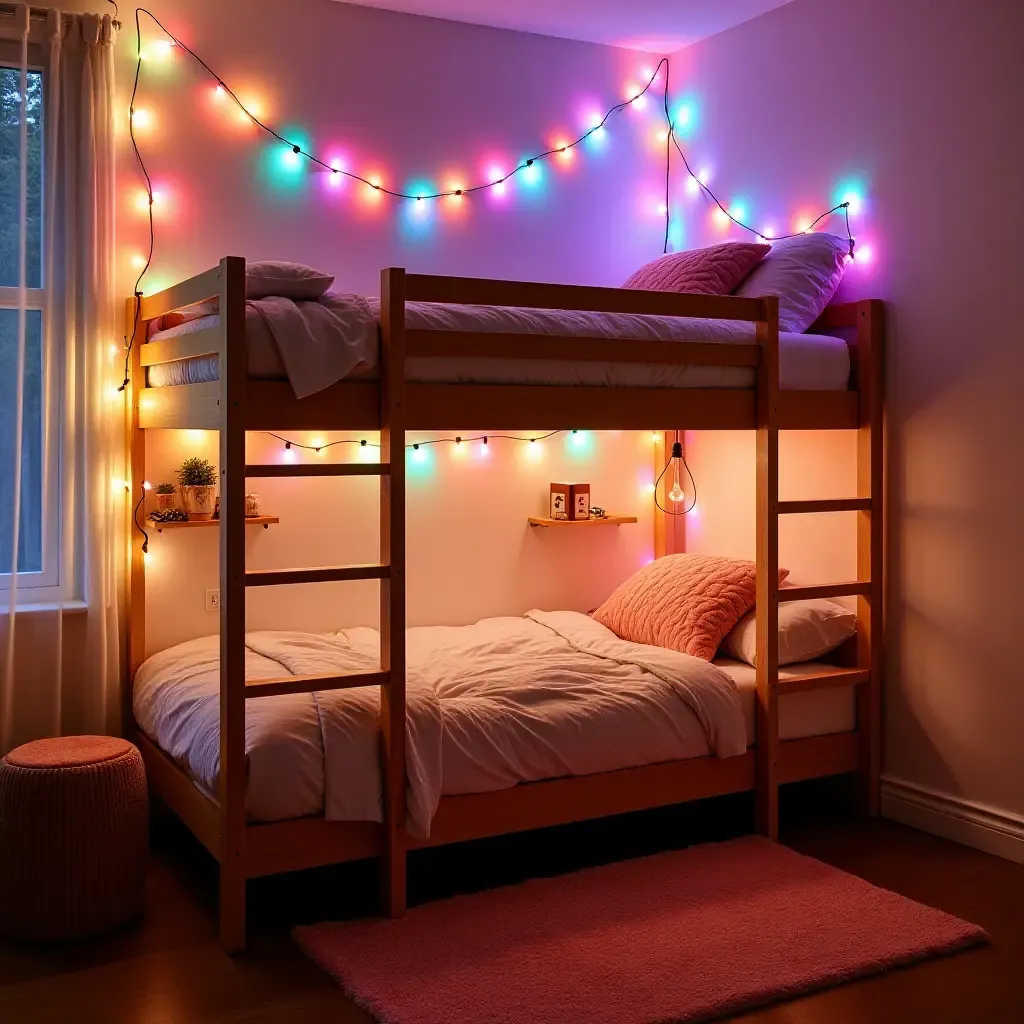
(51, 582)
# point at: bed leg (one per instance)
(393, 876)
(232, 910)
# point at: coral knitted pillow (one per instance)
(716, 270)
(684, 602)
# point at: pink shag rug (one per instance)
(682, 936)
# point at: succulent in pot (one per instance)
(164, 496)
(197, 481)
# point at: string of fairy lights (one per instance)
(297, 152)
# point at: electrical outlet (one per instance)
(213, 600)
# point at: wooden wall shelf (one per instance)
(265, 521)
(606, 521)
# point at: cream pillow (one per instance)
(807, 630)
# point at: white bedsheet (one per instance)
(813, 713)
(279, 348)
(504, 701)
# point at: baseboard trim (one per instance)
(964, 821)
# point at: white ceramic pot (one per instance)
(198, 502)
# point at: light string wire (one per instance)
(844, 206)
(129, 342)
(693, 483)
(416, 445)
(398, 193)
(138, 525)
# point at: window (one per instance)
(35, 564)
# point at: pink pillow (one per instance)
(712, 271)
(684, 602)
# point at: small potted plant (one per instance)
(164, 496)
(197, 480)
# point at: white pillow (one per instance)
(804, 272)
(807, 630)
(289, 280)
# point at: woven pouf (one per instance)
(73, 837)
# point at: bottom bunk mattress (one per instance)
(490, 705)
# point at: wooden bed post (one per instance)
(136, 605)
(392, 586)
(232, 362)
(661, 524)
(767, 613)
(870, 548)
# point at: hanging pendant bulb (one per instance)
(676, 494)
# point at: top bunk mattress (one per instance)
(807, 362)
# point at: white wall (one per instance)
(471, 552)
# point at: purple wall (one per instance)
(415, 100)
(922, 101)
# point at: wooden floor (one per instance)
(168, 970)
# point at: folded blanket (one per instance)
(323, 341)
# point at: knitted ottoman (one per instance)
(73, 837)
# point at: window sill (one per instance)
(75, 606)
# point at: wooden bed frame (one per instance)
(235, 404)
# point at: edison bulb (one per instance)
(676, 495)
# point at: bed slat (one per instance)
(186, 346)
(323, 574)
(823, 680)
(528, 295)
(825, 505)
(815, 757)
(196, 289)
(854, 588)
(311, 684)
(191, 406)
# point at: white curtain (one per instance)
(62, 439)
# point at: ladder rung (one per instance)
(325, 574)
(825, 505)
(310, 684)
(823, 680)
(858, 588)
(318, 469)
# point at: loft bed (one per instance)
(391, 403)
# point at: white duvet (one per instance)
(504, 701)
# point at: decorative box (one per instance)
(561, 501)
(580, 501)
(569, 501)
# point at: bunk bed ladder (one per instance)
(235, 579)
(866, 671)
